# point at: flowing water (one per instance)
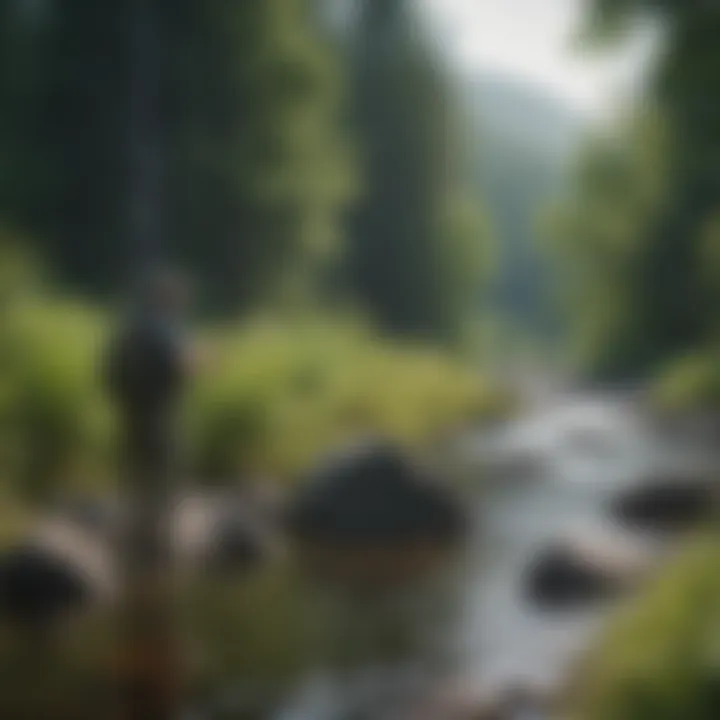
(580, 452)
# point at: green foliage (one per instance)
(709, 260)
(20, 271)
(279, 395)
(256, 631)
(54, 425)
(409, 233)
(272, 397)
(246, 99)
(655, 300)
(691, 383)
(519, 163)
(246, 102)
(660, 659)
(602, 239)
(260, 171)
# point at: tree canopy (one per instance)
(252, 164)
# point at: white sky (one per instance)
(533, 39)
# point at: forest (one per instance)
(375, 244)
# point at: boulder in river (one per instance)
(222, 533)
(37, 588)
(666, 504)
(374, 512)
(571, 573)
(237, 544)
(53, 574)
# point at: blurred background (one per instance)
(448, 449)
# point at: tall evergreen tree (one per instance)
(406, 246)
(258, 175)
(667, 270)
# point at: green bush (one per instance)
(276, 396)
(688, 384)
(661, 659)
(269, 399)
(54, 426)
(691, 383)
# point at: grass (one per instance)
(661, 659)
(687, 384)
(269, 398)
(278, 396)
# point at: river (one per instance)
(578, 451)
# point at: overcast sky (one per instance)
(533, 39)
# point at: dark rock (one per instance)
(567, 576)
(221, 532)
(38, 587)
(236, 544)
(666, 505)
(375, 495)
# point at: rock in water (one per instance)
(222, 533)
(373, 512)
(38, 588)
(666, 505)
(237, 545)
(571, 574)
(54, 573)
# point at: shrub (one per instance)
(661, 659)
(54, 424)
(271, 399)
(690, 383)
(277, 396)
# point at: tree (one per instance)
(672, 313)
(258, 175)
(405, 249)
(253, 176)
(524, 144)
(600, 236)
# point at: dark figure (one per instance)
(149, 362)
(146, 372)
